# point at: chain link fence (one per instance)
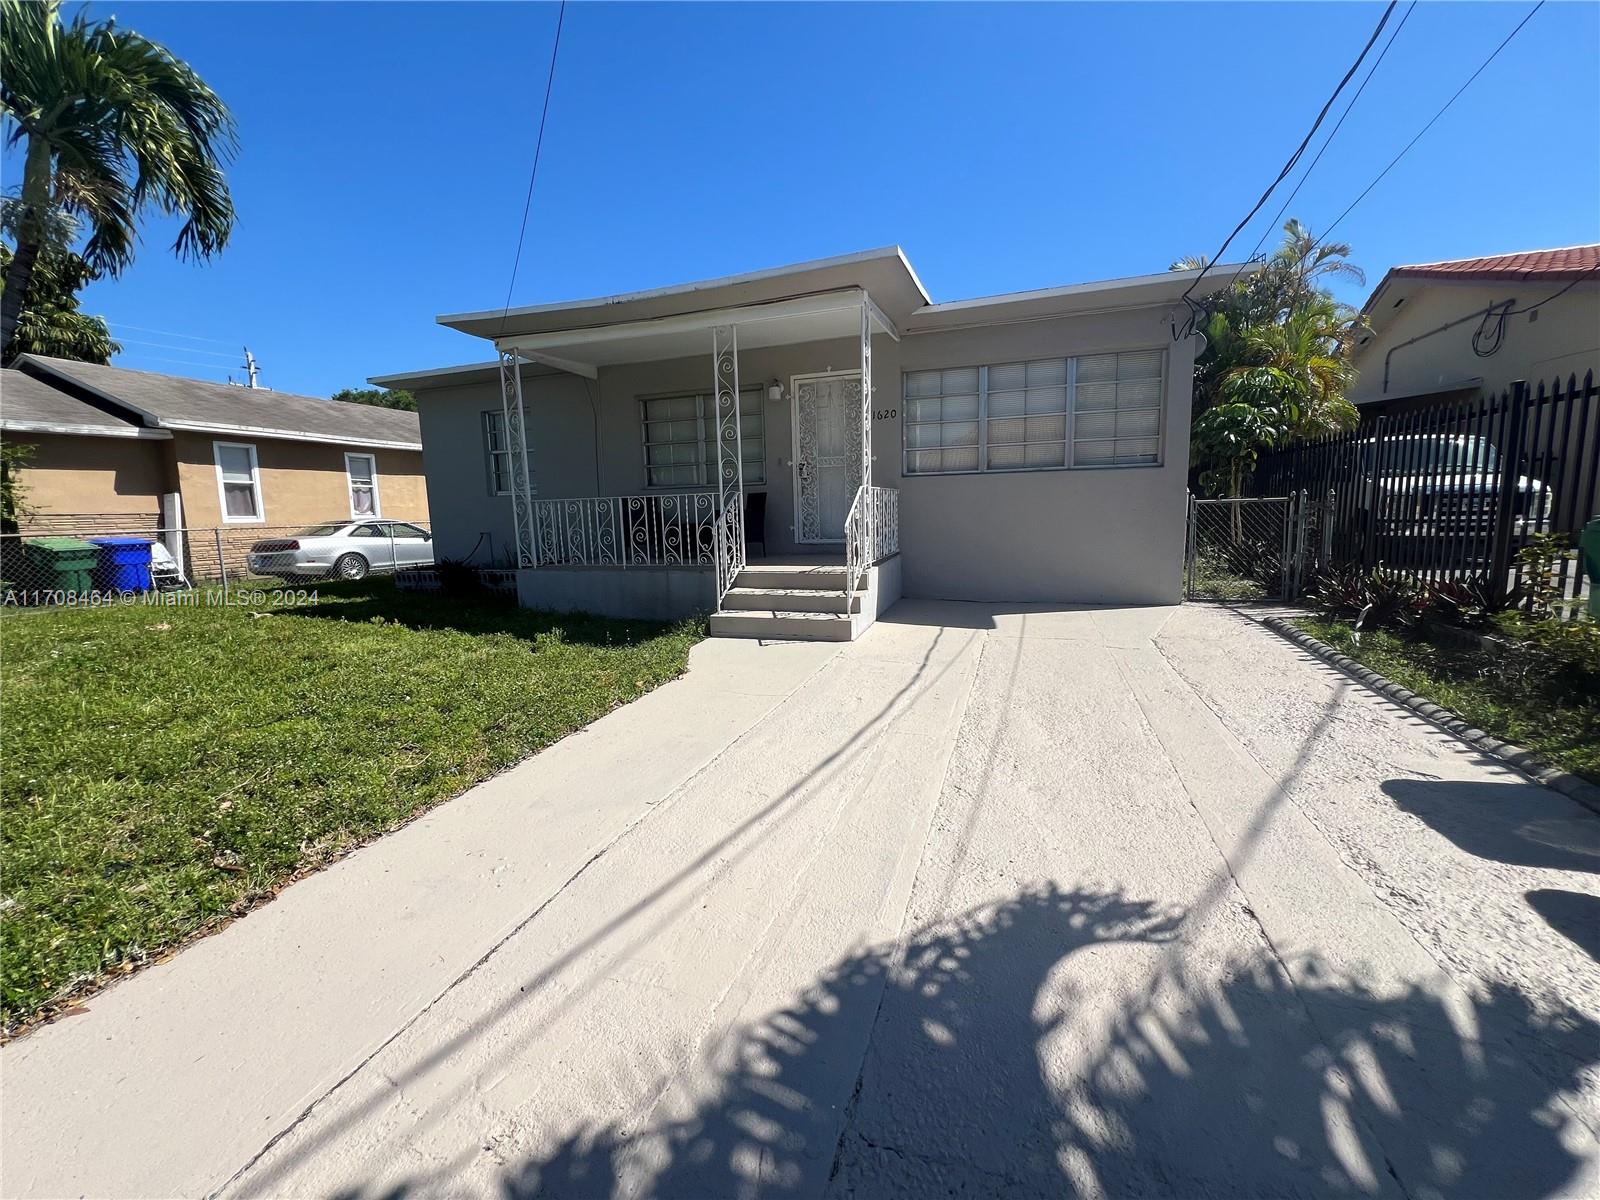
(1248, 549)
(62, 562)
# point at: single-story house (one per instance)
(1474, 326)
(121, 450)
(795, 448)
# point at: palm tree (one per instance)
(114, 124)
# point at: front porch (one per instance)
(785, 536)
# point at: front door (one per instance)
(827, 458)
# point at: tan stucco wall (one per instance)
(301, 482)
(93, 476)
(1110, 535)
(1563, 340)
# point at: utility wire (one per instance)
(1387, 46)
(1290, 165)
(1481, 68)
(188, 337)
(538, 148)
(128, 341)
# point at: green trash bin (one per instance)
(1589, 551)
(61, 564)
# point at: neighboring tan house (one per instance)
(711, 446)
(1458, 329)
(115, 449)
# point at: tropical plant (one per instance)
(113, 125)
(50, 322)
(378, 397)
(1277, 359)
(14, 456)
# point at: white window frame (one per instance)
(906, 449)
(255, 483)
(706, 417)
(489, 453)
(350, 486)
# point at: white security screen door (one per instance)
(827, 427)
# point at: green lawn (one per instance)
(1483, 687)
(165, 767)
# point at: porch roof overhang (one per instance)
(813, 318)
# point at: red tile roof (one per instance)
(1528, 264)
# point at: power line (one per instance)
(163, 346)
(1387, 46)
(182, 362)
(189, 337)
(538, 149)
(1481, 68)
(1293, 159)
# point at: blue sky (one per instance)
(385, 150)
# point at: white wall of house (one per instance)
(1561, 338)
(1089, 535)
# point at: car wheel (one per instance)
(350, 566)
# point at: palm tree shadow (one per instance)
(993, 1061)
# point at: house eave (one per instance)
(10, 425)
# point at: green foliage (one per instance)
(14, 456)
(167, 767)
(50, 322)
(114, 125)
(1540, 689)
(1276, 362)
(379, 397)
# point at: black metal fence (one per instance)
(1455, 491)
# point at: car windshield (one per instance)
(1412, 455)
(321, 530)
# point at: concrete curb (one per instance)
(1530, 764)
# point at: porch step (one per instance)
(782, 625)
(820, 577)
(768, 599)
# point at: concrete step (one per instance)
(785, 625)
(790, 600)
(808, 578)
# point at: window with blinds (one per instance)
(680, 439)
(1117, 416)
(1093, 411)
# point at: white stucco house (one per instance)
(793, 449)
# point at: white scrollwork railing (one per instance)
(871, 532)
(666, 529)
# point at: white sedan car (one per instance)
(344, 550)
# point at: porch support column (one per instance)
(866, 391)
(517, 448)
(730, 457)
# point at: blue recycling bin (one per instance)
(124, 564)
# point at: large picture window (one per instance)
(680, 439)
(1091, 411)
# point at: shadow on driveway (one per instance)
(1523, 824)
(993, 1072)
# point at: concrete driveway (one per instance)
(994, 902)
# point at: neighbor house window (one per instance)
(497, 452)
(1092, 411)
(680, 439)
(238, 481)
(362, 472)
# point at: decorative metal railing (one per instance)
(666, 529)
(871, 532)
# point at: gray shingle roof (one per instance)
(173, 402)
(32, 405)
